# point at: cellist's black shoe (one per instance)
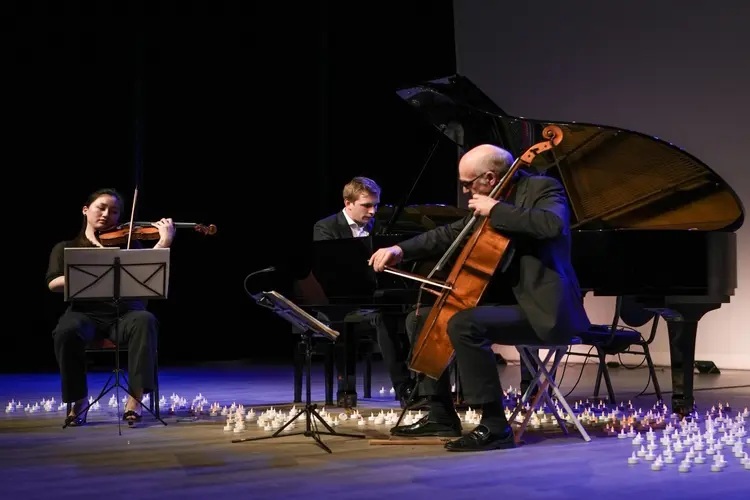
(481, 439)
(425, 427)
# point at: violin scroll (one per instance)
(205, 230)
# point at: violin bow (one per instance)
(132, 216)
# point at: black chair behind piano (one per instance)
(614, 339)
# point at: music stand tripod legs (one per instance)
(310, 411)
(300, 319)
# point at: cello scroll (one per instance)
(554, 136)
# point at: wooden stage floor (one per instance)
(195, 458)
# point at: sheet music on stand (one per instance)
(90, 273)
(294, 314)
(113, 274)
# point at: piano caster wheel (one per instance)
(346, 400)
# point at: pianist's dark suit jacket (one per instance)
(334, 227)
(541, 274)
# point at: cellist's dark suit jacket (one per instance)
(541, 275)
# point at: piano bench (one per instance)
(340, 353)
(543, 378)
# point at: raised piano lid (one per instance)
(615, 178)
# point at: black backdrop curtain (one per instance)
(250, 120)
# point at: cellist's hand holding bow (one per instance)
(386, 257)
(481, 204)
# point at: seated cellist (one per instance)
(537, 298)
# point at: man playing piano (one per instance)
(536, 299)
(361, 200)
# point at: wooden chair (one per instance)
(615, 339)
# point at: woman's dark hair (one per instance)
(81, 238)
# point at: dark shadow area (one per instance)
(249, 120)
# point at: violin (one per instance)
(144, 231)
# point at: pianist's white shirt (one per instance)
(357, 230)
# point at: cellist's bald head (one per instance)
(481, 168)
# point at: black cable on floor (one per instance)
(583, 365)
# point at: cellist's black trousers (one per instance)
(472, 332)
(138, 331)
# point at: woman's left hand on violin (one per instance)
(166, 232)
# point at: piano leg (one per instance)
(682, 353)
(346, 366)
(682, 324)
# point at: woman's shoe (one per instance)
(76, 420)
(131, 417)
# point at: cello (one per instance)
(484, 252)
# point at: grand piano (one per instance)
(650, 221)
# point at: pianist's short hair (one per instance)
(359, 185)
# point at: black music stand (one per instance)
(309, 328)
(101, 274)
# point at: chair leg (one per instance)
(328, 362)
(298, 361)
(599, 376)
(368, 376)
(543, 378)
(652, 372)
(610, 388)
(154, 403)
(604, 372)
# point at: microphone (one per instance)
(266, 270)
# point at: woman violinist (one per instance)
(85, 321)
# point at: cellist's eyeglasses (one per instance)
(468, 184)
